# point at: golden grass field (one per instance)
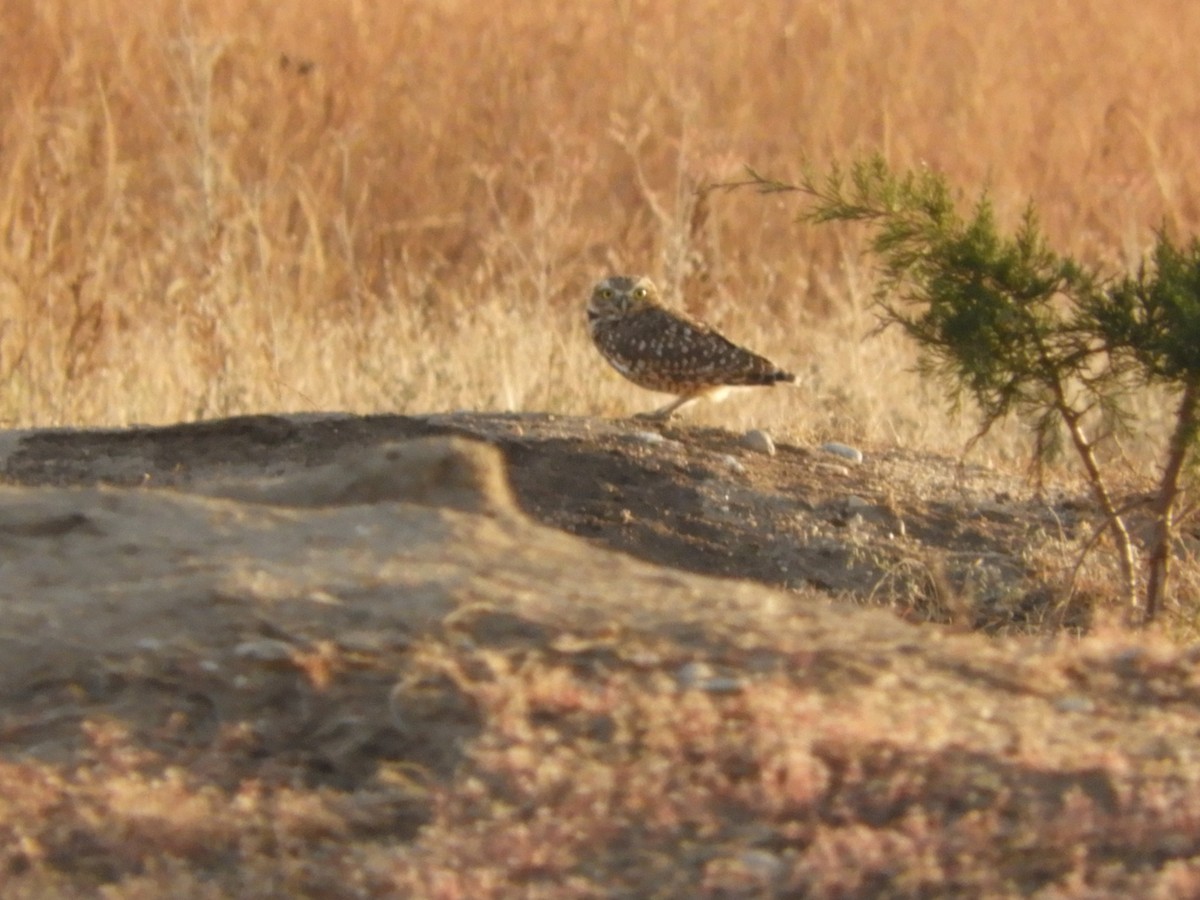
(215, 207)
(224, 207)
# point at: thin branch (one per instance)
(1168, 493)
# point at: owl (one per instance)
(665, 350)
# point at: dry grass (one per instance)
(596, 774)
(224, 207)
(227, 207)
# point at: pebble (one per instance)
(700, 676)
(266, 650)
(833, 469)
(758, 441)
(763, 864)
(365, 641)
(1074, 703)
(733, 464)
(648, 437)
(1129, 657)
(845, 452)
(721, 684)
(690, 673)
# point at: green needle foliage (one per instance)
(1154, 316)
(1022, 330)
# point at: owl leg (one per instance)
(664, 413)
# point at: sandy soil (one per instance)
(255, 602)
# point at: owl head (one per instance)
(619, 295)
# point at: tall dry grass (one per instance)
(221, 207)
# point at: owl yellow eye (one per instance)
(607, 293)
(639, 293)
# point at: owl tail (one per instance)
(766, 373)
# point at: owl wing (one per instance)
(690, 350)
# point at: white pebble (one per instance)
(690, 674)
(700, 676)
(733, 464)
(648, 437)
(1074, 703)
(721, 684)
(758, 441)
(851, 453)
(763, 864)
(266, 650)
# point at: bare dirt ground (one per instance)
(308, 656)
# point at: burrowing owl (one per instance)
(662, 349)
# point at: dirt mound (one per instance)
(328, 660)
(908, 530)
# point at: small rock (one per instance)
(762, 863)
(733, 464)
(700, 676)
(845, 452)
(1074, 703)
(721, 684)
(833, 468)
(368, 641)
(1129, 658)
(643, 659)
(266, 650)
(648, 437)
(758, 441)
(691, 673)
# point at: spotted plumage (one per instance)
(665, 350)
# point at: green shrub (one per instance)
(1023, 330)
